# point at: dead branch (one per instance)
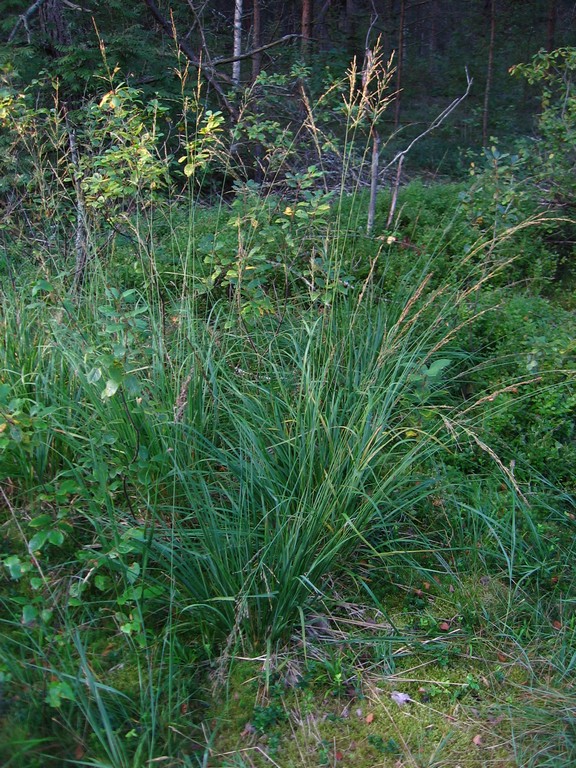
(400, 156)
(24, 18)
(434, 124)
(183, 46)
(248, 54)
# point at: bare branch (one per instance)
(205, 51)
(250, 53)
(24, 18)
(373, 21)
(435, 123)
(208, 72)
(231, 59)
(400, 156)
(75, 7)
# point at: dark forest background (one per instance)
(433, 42)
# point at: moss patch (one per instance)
(425, 714)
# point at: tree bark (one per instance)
(489, 73)
(551, 31)
(432, 28)
(54, 27)
(256, 40)
(373, 179)
(399, 63)
(349, 24)
(237, 48)
(306, 28)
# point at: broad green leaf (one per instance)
(133, 572)
(56, 538)
(38, 540)
(41, 521)
(132, 385)
(42, 285)
(94, 375)
(14, 565)
(437, 367)
(29, 614)
(110, 389)
(102, 582)
(57, 692)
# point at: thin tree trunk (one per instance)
(256, 40)
(551, 32)
(350, 25)
(237, 49)
(54, 27)
(373, 179)
(306, 28)
(432, 28)
(320, 27)
(395, 189)
(81, 235)
(486, 110)
(256, 67)
(399, 63)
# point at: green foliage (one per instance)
(270, 249)
(553, 156)
(200, 149)
(252, 414)
(123, 161)
(77, 61)
(531, 343)
(90, 167)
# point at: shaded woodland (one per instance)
(287, 384)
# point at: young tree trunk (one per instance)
(306, 28)
(432, 21)
(395, 189)
(256, 40)
(321, 33)
(399, 63)
(81, 235)
(373, 179)
(551, 32)
(350, 25)
(237, 49)
(489, 72)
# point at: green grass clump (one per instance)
(259, 471)
(192, 492)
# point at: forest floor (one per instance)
(327, 523)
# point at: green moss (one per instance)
(453, 717)
(337, 708)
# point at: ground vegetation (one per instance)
(287, 398)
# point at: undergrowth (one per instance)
(261, 472)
